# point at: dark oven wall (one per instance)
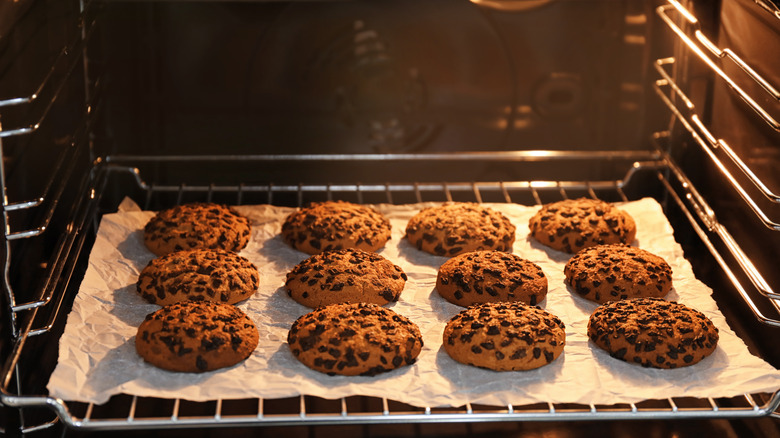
(374, 77)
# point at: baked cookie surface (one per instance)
(617, 272)
(196, 336)
(456, 228)
(490, 276)
(504, 336)
(345, 276)
(329, 225)
(198, 275)
(573, 224)
(653, 332)
(196, 225)
(354, 339)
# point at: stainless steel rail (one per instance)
(770, 6)
(704, 211)
(69, 57)
(47, 93)
(692, 123)
(725, 53)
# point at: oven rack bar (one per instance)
(699, 206)
(769, 88)
(65, 163)
(725, 53)
(384, 411)
(672, 408)
(694, 119)
(68, 58)
(77, 151)
(58, 276)
(770, 7)
(635, 159)
(516, 155)
(707, 216)
(709, 144)
(418, 189)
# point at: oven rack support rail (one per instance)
(679, 192)
(700, 44)
(682, 24)
(37, 104)
(707, 214)
(40, 100)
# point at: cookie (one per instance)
(196, 336)
(574, 224)
(196, 225)
(345, 276)
(504, 336)
(460, 227)
(354, 339)
(325, 226)
(617, 272)
(653, 332)
(490, 276)
(198, 275)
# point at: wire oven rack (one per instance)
(38, 315)
(128, 412)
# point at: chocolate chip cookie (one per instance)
(196, 225)
(490, 276)
(460, 227)
(345, 276)
(354, 339)
(652, 332)
(504, 336)
(196, 336)
(325, 226)
(198, 275)
(574, 224)
(617, 272)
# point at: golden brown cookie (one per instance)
(345, 276)
(490, 276)
(653, 332)
(196, 225)
(325, 226)
(617, 272)
(196, 336)
(504, 336)
(198, 275)
(354, 339)
(574, 224)
(460, 227)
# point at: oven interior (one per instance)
(284, 103)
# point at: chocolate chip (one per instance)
(487, 345)
(518, 354)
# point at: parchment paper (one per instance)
(97, 357)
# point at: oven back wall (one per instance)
(374, 77)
